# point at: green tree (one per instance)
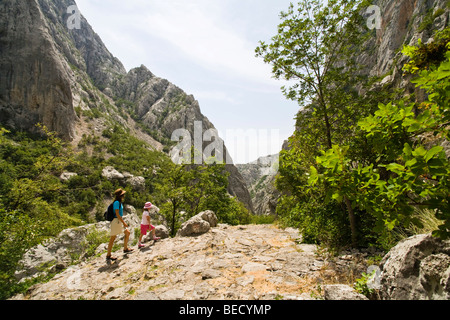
(411, 169)
(315, 49)
(195, 188)
(172, 186)
(28, 212)
(18, 232)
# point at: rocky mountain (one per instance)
(69, 81)
(260, 178)
(61, 74)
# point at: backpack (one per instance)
(109, 214)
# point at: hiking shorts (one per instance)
(116, 227)
(145, 228)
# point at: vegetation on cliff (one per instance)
(365, 161)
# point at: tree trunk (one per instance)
(326, 118)
(174, 204)
(351, 216)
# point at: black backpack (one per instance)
(109, 214)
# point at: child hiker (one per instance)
(146, 225)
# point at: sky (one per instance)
(207, 48)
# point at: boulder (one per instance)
(137, 183)
(210, 217)
(69, 246)
(199, 224)
(110, 173)
(156, 217)
(161, 231)
(341, 292)
(194, 226)
(417, 268)
(65, 176)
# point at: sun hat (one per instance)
(148, 205)
(119, 193)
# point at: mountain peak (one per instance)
(65, 77)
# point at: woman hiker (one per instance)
(118, 225)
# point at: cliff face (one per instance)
(403, 22)
(260, 178)
(58, 76)
(35, 79)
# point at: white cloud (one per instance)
(208, 33)
(247, 144)
(216, 95)
(199, 30)
(207, 48)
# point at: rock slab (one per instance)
(226, 263)
(418, 268)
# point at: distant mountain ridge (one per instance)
(66, 79)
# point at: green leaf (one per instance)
(419, 152)
(395, 167)
(390, 224)
(430, 154)
(413, 127)
(407, 149)
(411, 162)
(337, 196)
(443, 74)
(313, 177)
(328, 197)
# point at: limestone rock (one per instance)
(65, 176)
(69, 246)
(213, 265)
(210, 274)
(260, 179)
(110, 173)
(137, 183)
(194, 226)
(342, 292)
(161, 231)
(156, 217)
(417, 268)
(210, 217)
(199, 224)
(252, 267)
(35, 83)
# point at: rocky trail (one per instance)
(227, 263)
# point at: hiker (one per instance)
(146, 225)
(118, 225)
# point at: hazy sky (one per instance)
(207, 48)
